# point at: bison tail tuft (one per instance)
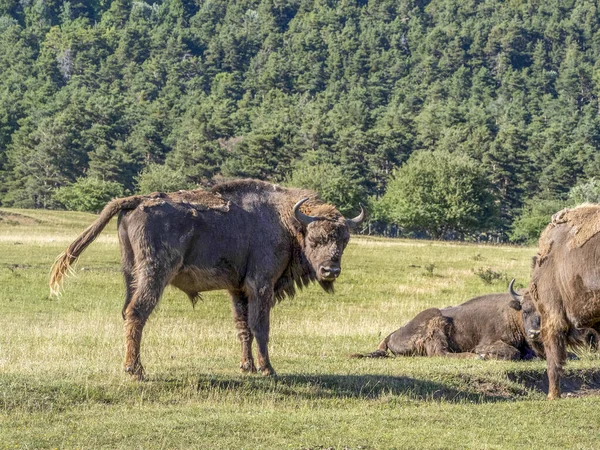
(63, 264)
(375, 354)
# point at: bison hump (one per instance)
(197, 200)
(583, 222)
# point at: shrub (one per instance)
(533, 218)
(489, 275)
(160, 178)
(88, 194)
(329, 181)
(587, 191)
(439, 192)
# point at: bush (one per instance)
(160, 178)
(88, 194)
(489, 275)
(438, 193)
(533, 218)
(585, 192)
(329, 181)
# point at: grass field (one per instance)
(62, 384)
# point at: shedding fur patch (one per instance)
(544, 248)
(434, 341)
(584, 222)
(197, 199)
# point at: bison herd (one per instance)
(261, 242)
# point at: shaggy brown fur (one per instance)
(490, 326)
(242, 236)
(566, 284)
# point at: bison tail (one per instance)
(63, 263)
(381, 352)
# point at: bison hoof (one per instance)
(553, 395)
(267, 371)
(247, 367)
(137, 372)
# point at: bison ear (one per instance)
(515, 305)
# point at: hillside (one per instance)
(343, 91)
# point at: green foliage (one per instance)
(439, 192)
(254, 88)
(533, 218)
(489, 275)
(88, 194)
(585, 192)
(329, 181)
(161, 178)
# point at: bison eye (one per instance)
(316, 241)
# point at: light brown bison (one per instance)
(257, 240)
(499, 326)
(565, 284)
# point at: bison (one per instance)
(500, 326)
(256, 240)
(565, 284)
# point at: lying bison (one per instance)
(500, 326)
(257, 240)
(565, 284)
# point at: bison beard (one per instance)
(257, 240)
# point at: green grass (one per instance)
(62, 384)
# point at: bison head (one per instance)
(529, 313)
(324, 241)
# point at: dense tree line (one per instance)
(111, 97)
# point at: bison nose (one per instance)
(534, 334)
(330, 272)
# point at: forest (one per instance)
(469, 119)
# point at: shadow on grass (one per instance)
(364, 387)
(35, 394)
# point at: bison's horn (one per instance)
(303, 218)
(358, 219)
(512, 292)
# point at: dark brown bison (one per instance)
(500, 326)
(565, 284)
(257, 240)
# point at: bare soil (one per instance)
(12, 218)
(576, 383)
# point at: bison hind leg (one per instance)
(498, 350)
(239, 303)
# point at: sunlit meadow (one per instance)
(62, 383)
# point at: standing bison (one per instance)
(257, 240)
(500, 326)
(566, 283)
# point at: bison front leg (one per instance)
(240, 314)
(556, 356)
(259, 311)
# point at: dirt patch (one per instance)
(576, 383)
(12, 218)
(492, 389)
